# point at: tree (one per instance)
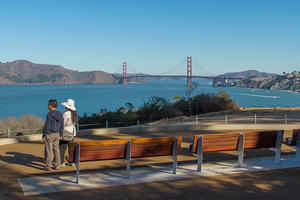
(188, 92)
(129, 106)
(224, 95)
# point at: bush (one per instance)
(157, 108)
(26, 124)
(205, 103)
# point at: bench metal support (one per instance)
(298, 146)
(199, 153)
(174, 154)
(77, 160)
(128, 156)
(278, 146)
(240, 150)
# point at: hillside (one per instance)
(247, 74)
(280, 82)
(25, 72)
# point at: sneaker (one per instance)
(71, 164)
(47, 169)
(62, 165)
(56, 168)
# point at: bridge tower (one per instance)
(189, 72)
(124, 73)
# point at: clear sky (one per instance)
(153, 36)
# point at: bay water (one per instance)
(17, 100)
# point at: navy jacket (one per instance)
(54, 123)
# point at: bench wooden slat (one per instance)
(152, 140)
(103, 142)
(226, 143)
(221, 148)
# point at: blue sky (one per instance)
(153, 36)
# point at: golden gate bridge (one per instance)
(189, 76)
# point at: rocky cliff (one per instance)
(280, 82)
(247, 74)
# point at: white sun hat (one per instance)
(69, 104)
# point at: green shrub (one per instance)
(157, 108)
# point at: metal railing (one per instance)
(255, 118)
(201, 119)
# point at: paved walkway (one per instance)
(58, 183)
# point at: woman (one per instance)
(70, 119)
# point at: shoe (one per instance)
(56, 168)
(71, 164)
(62, 165)
(47, 169)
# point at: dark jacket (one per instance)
(54, 123)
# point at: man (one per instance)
(53, 129)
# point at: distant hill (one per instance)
(247, 74)
(280, 82)
(25, 72)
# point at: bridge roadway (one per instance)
(179, 76)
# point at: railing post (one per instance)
(106, 123)
(167, 120)
(226, 120)
(138, 122)
(196, 119)
(254, 118)
(8, 132)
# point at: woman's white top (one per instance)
(68, 124)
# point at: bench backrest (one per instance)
(217, 142)
(147, 147)
(99, 150)
(229, 141)
(260, 139)
(116, 149)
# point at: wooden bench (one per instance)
(294, 142)
(236, 142)
(124, 149)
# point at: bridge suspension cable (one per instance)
(199, 69)
(180, 67)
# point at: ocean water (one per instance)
(17, 100)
